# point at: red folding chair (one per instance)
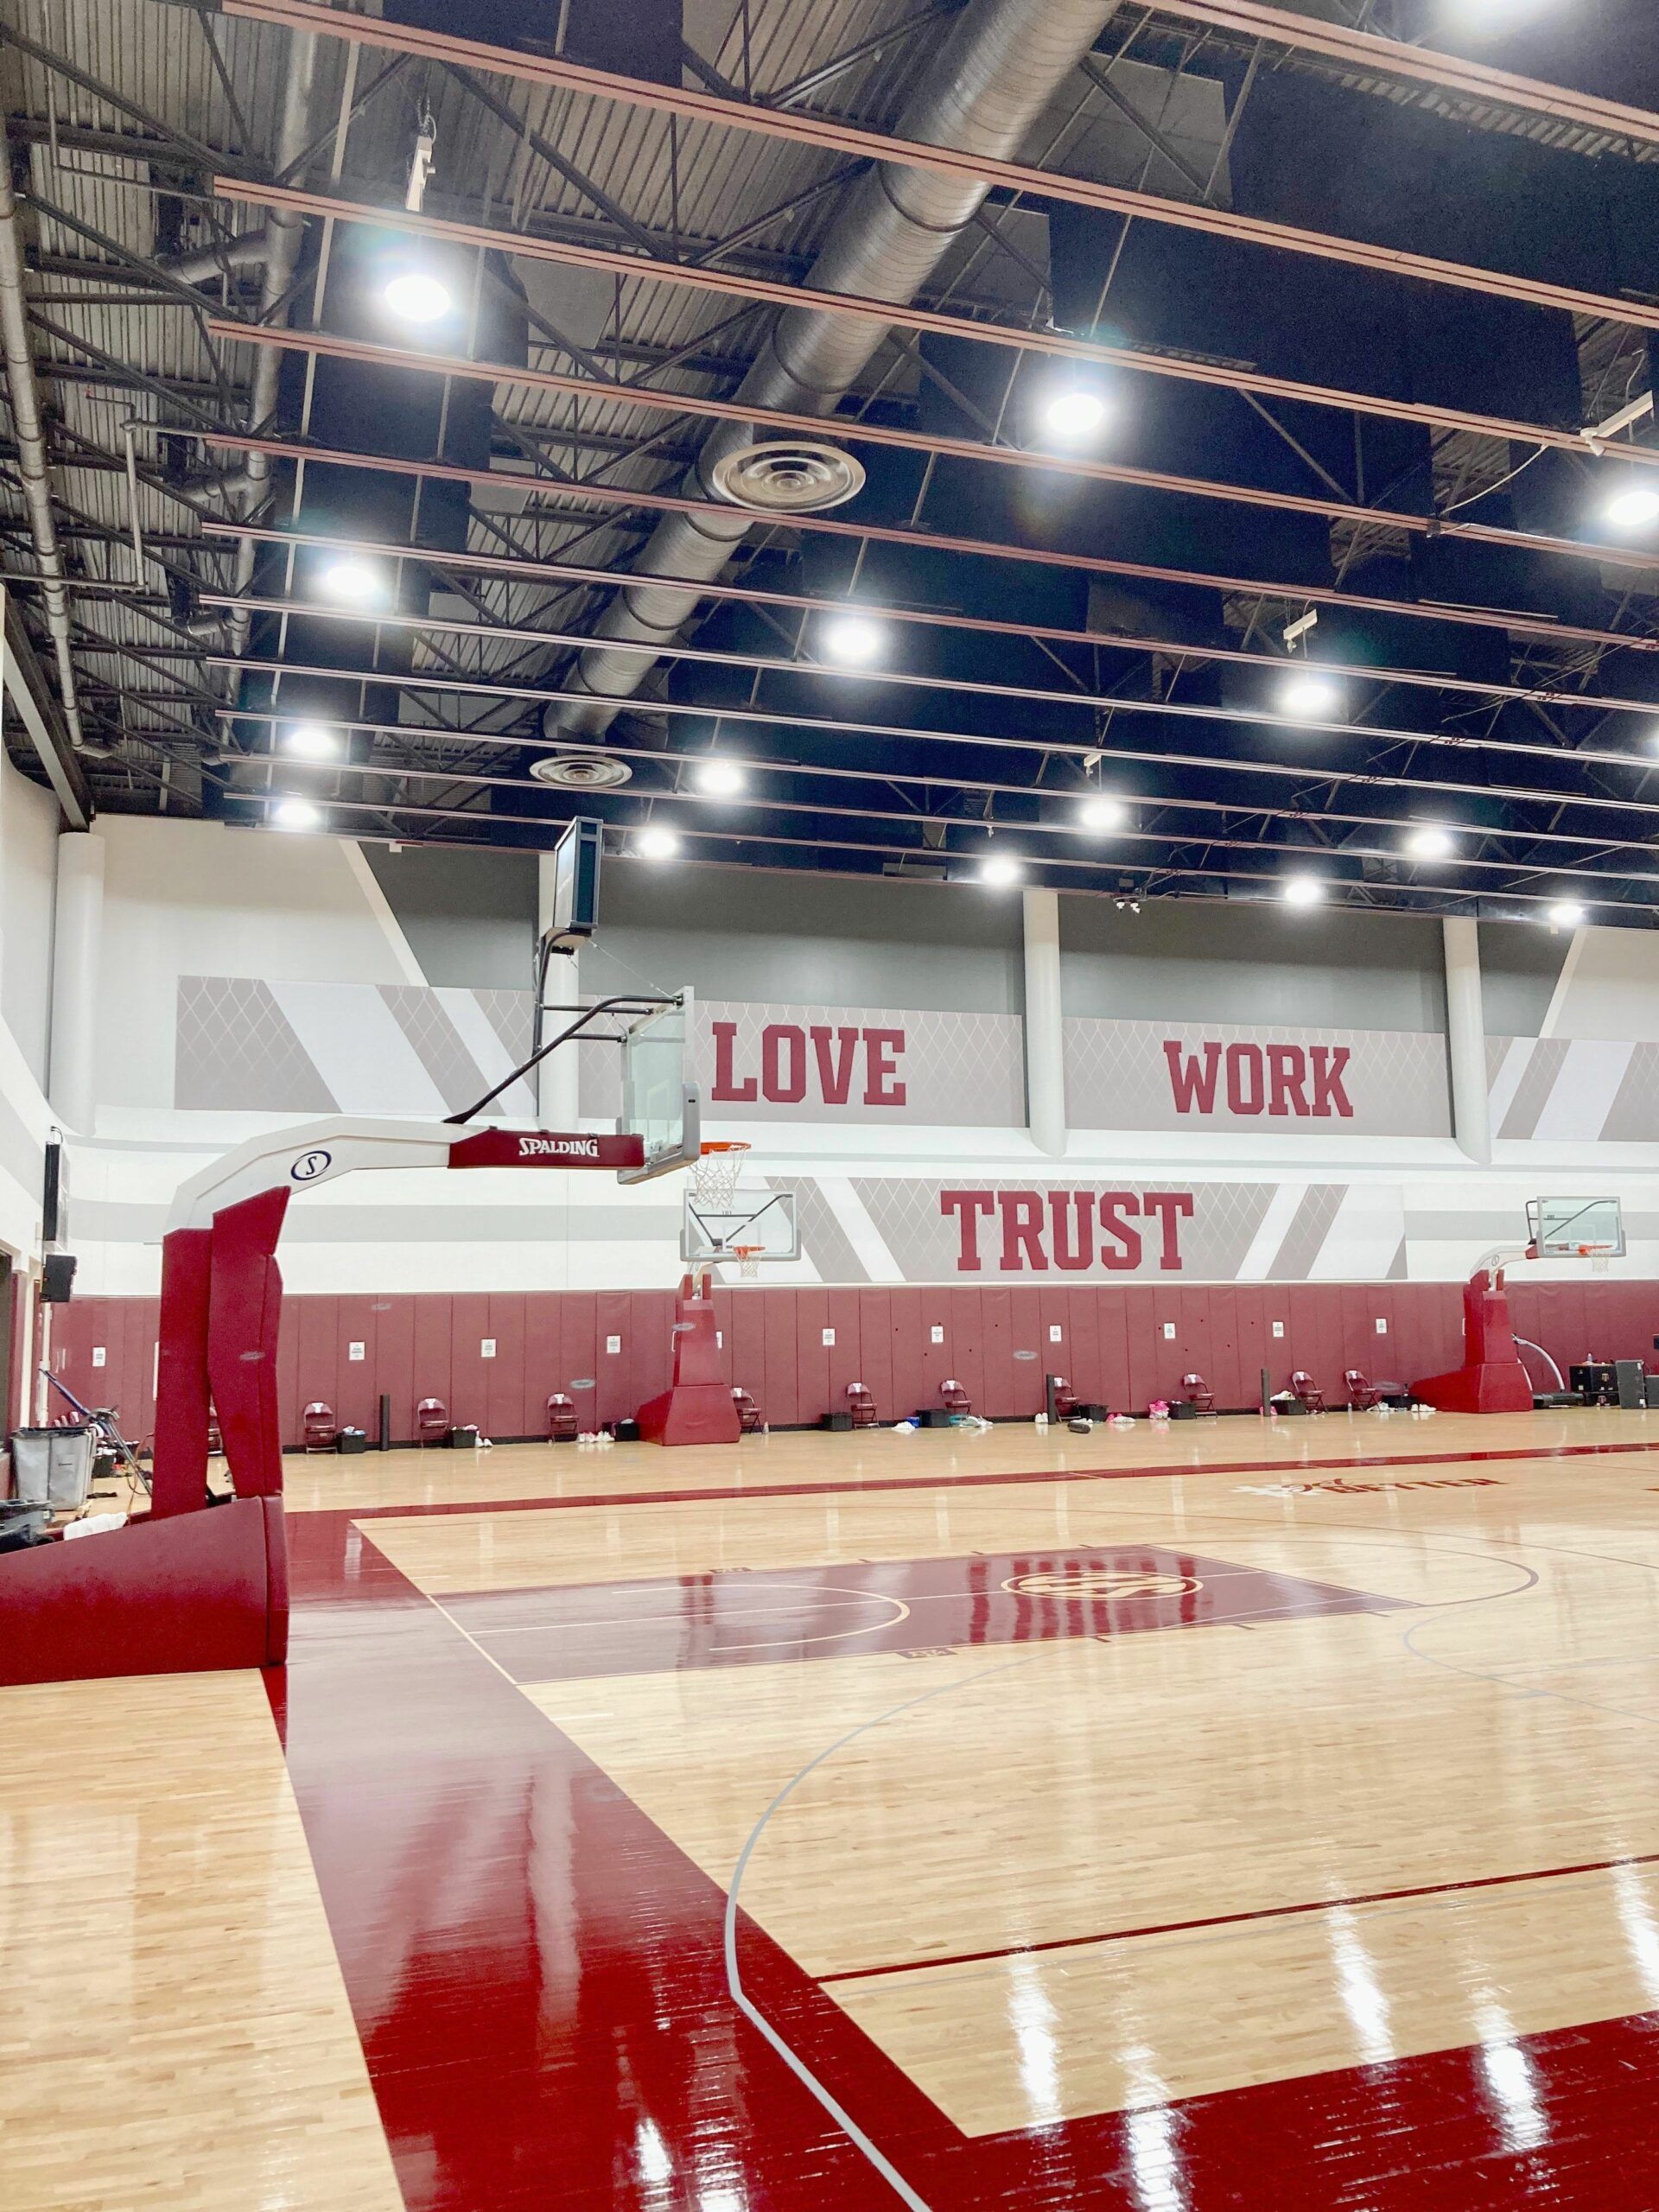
(431, 1422)
(319, 1431)
(1307, 1390)
(1198, 1393)
(748, 1414)
(955, 1397)
(561, 1418)
(862, 1406)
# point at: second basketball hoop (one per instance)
(723, 1222)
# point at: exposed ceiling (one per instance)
(1348, 279)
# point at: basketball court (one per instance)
(882, 1819)
(829, 1106)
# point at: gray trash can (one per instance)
(52, 1467)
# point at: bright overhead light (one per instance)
(1074, 414)
(852, 639)
(1102, 811)
(1000, 871)
(311, 741)
(1565, 914)
(1633, 507)
(355, 583)
(1310, 698)
(418, 296)
(719, 779)
(1430, 843)
(295, 814)
(1303, 889)
(656, 844)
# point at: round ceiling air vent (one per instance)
(582, 771)
(785, 476)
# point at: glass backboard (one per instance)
(657, 1103)
(1575, 1229)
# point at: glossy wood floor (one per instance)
(1227, 1816)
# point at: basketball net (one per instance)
(715, 1177)
(748, 1259)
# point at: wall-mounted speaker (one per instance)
(53, 1193)
(57, 1278)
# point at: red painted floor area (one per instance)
(538, 1978)
(740, 1618)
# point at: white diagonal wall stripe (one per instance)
(860, 1229)
(1508, 1079)
(354, 1042)
(1258, 1262)
(477, 1032)
(1363, 1237)
(1584, 1091)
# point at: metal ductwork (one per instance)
(30, 433)
(208, 263)
(991, 78)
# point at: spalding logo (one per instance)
(559, 1147)
(310, 1164)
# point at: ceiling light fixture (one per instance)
(1303, 889)
(1310, 698)
(295, 814)
(656, 844)
(418, 296)
(719, 779)
(852, 639)
(1000, 871)
(311, 741)
(1430, 843)
(355, 583)
(1074, 414)
(1634, 506)
(1565, 914)
(1102, 811)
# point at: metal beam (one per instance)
(1294, 594)
(879, 146)
(857, 431)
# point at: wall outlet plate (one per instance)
(1382, 1326)
(828, 1337)
(936, 1335)
(1169, 1331)
(1056, 1335)
(486, 1347)
(1278, 1328)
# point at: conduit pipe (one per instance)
(29, 430)
(278, 245)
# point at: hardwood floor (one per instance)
(1207, 1819)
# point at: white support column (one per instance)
(77, 942)
(1045, 1056)
(557, 1100)
(1465, 1038)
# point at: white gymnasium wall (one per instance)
(195, 899)
(28, 837)
(291, 920)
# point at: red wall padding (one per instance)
(1112, 1346)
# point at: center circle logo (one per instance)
(1102, 1582)
(309, 1166)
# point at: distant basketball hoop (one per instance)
(748, 1259)
(714, 1178)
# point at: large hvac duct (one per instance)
(989, 82)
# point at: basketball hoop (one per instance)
(748, 1259)
(715, 1177)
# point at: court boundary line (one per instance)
(1241, 1919)
(845, 1488)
